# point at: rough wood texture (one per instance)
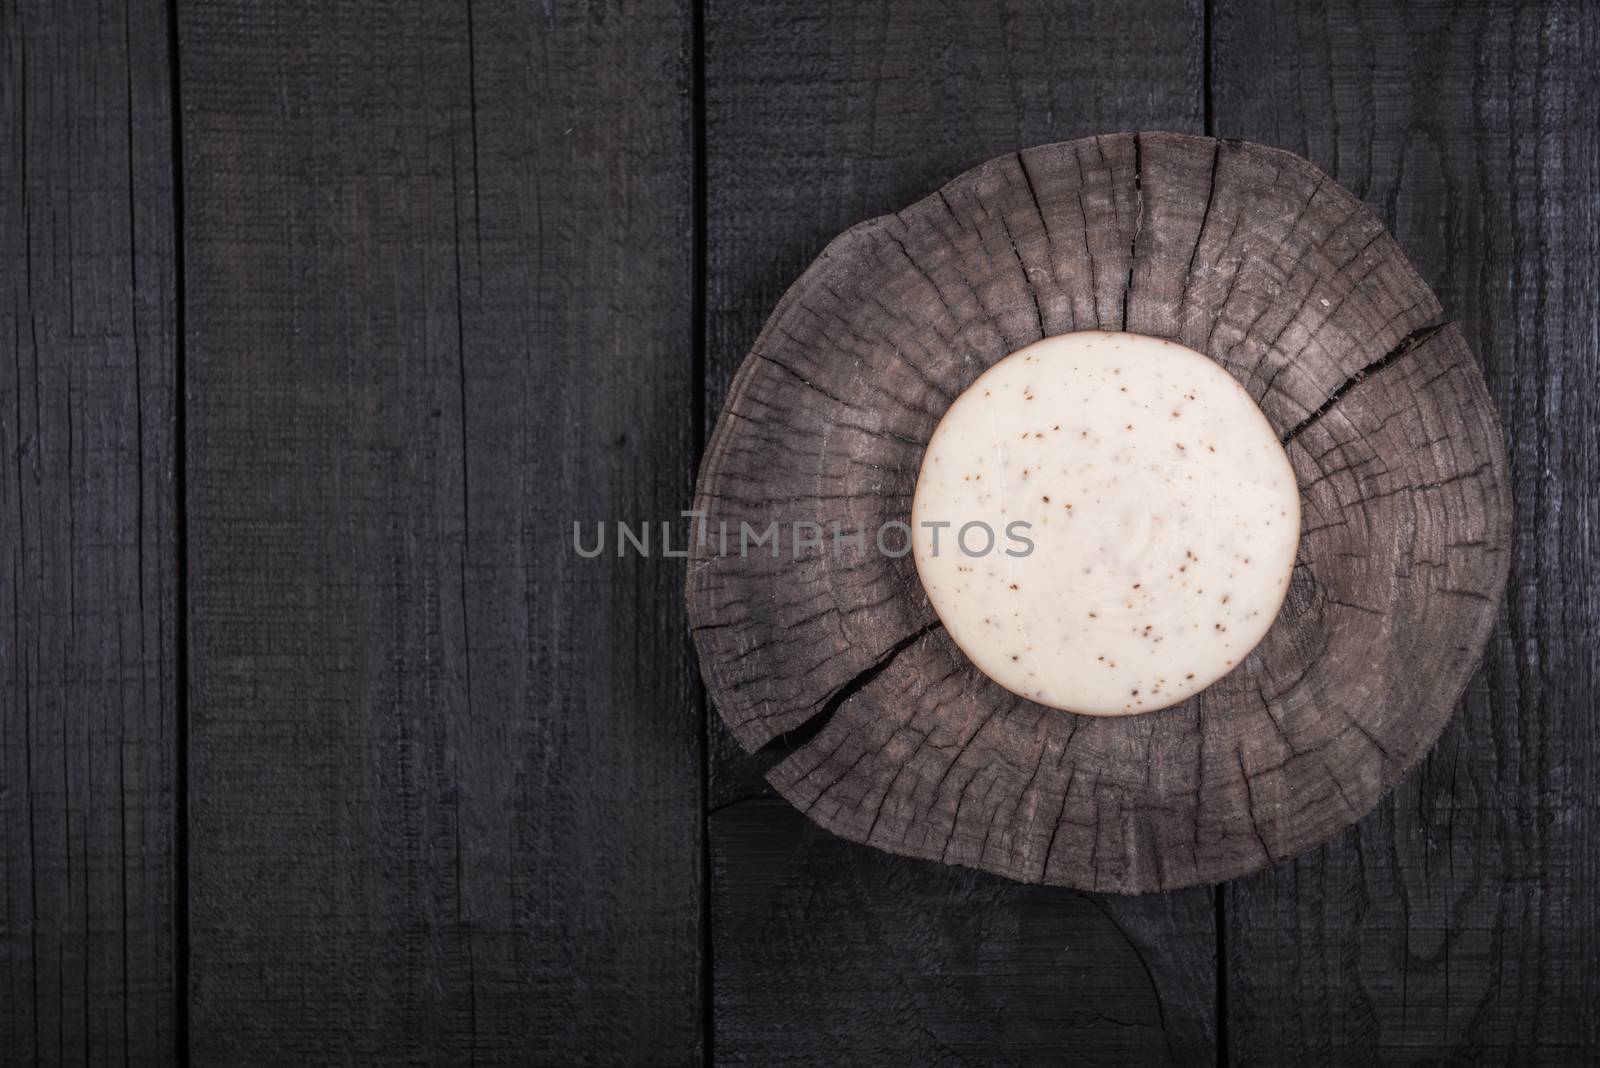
(824, 945)
(88, 627)
(1459, 922)
(445, 773)
(1246, 253)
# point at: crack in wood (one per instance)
(1138, 223)
(796, 738)
(1410, 343)
(1200, 234)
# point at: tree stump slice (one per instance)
(1246, 253)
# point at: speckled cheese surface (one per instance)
(1144, 521)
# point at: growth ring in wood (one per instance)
(1245, 253)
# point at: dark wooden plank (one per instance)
(849, 954)
(445, 774)
(817, 117)
(88, 607)
(1460, 919)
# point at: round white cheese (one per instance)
(1105, 522)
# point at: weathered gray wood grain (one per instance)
(445, 776)
(1458, 922)
(88, 607)
(819, 116)
(1257, 259)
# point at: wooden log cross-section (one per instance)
(1246, 253)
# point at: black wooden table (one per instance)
(327, 320)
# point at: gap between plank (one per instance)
(1220, 922)
(1208, 112)
(180, 474)
(697, 409)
